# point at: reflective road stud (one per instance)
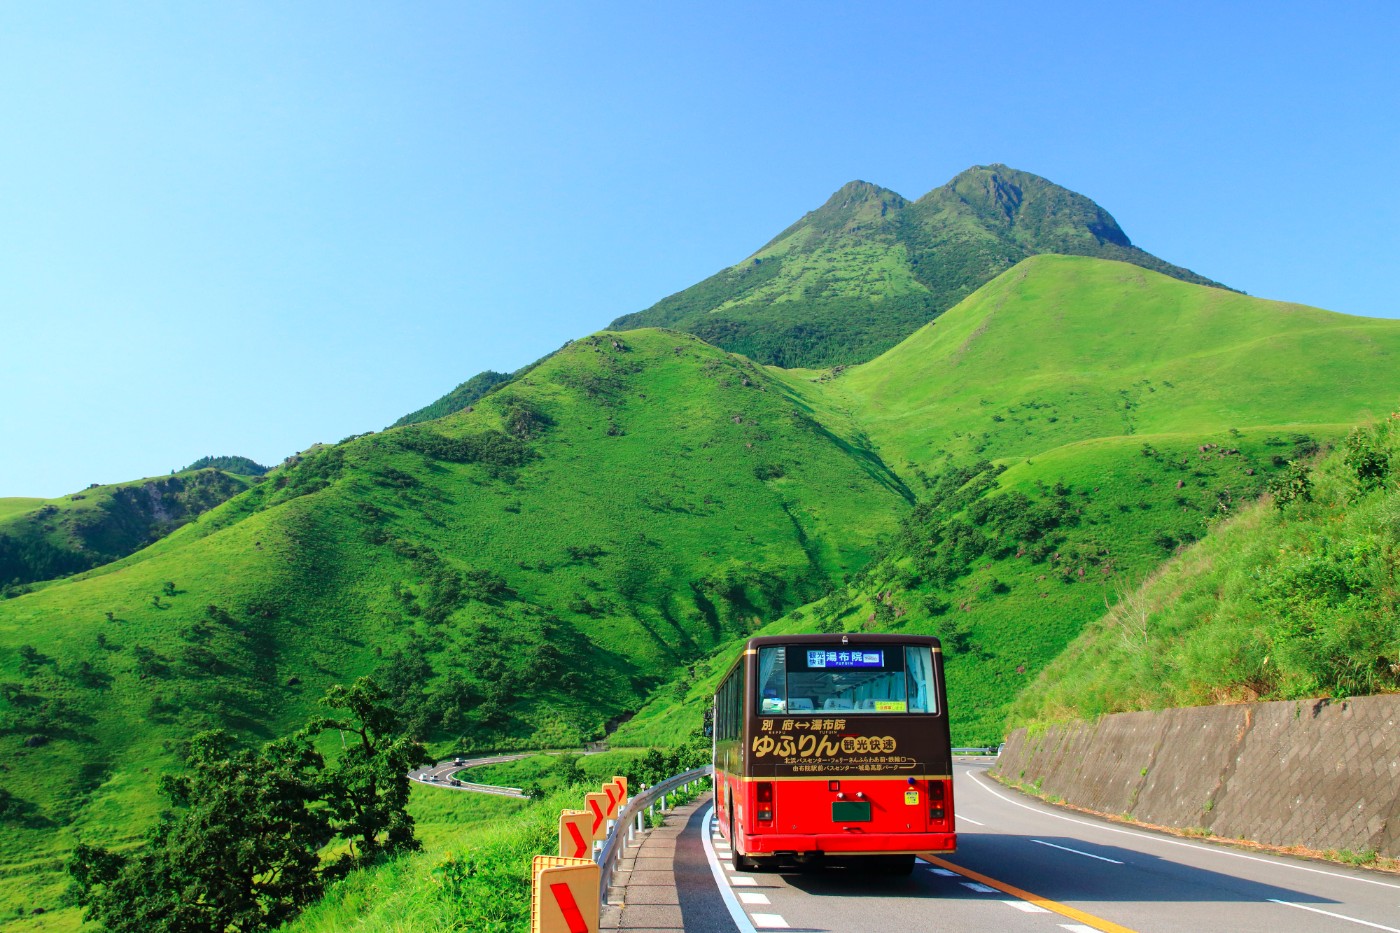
(564, 897)
(575, 836)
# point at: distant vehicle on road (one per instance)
(459, 761)
(834, 747)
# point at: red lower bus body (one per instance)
(801, 822)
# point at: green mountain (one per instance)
(41, 539)
(1055, 473)
(868, 268)
(518, 574)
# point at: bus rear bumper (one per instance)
(848, 844)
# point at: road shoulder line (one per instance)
(736, 912)
(1048, 810)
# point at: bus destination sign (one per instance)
(845, 659)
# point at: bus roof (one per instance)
(844, 638)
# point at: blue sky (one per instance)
(247, 227)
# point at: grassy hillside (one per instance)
(41, 539)
(464, 396)
(1294, 597)
(862, 272)
(1063, 349)
(518, 574)
(1067, 429)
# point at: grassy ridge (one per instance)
(1063, 349)
(41, 539)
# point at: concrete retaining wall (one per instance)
(1319, 773)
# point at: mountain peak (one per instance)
(1028, 206)
(855, 193)
(857, 207)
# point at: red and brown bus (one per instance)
(834, 747)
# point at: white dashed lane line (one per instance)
(979, 888)
(1076, 851)
(1026, 907)
(1316, 910)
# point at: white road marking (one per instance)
(1027, 908)
(728, 866)
(1177, 842)
(968, 819)
(1077, 928)
(979, 888)
(944, 872)
(1076, 851)
(731, 903)
(770, 921)
(753, 897)
(1328, 913)
(742, 881)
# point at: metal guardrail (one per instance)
(631, 817)
(989, 750)
(490, 789)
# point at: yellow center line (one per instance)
(1064, 910)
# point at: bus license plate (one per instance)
(850, 811)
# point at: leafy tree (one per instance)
(368, 788)
(240, 852)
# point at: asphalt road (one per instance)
(1026, 867)
(444, 772)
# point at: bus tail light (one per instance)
(935, 800)
(765, 801)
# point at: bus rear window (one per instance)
(845, 679)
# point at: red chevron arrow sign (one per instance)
(597, 805)
(575, 836)
(564, 895)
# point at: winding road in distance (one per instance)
(1023, 866)
(444, 772)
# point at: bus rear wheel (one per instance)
(740, 862)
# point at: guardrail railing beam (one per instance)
(646, 802)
